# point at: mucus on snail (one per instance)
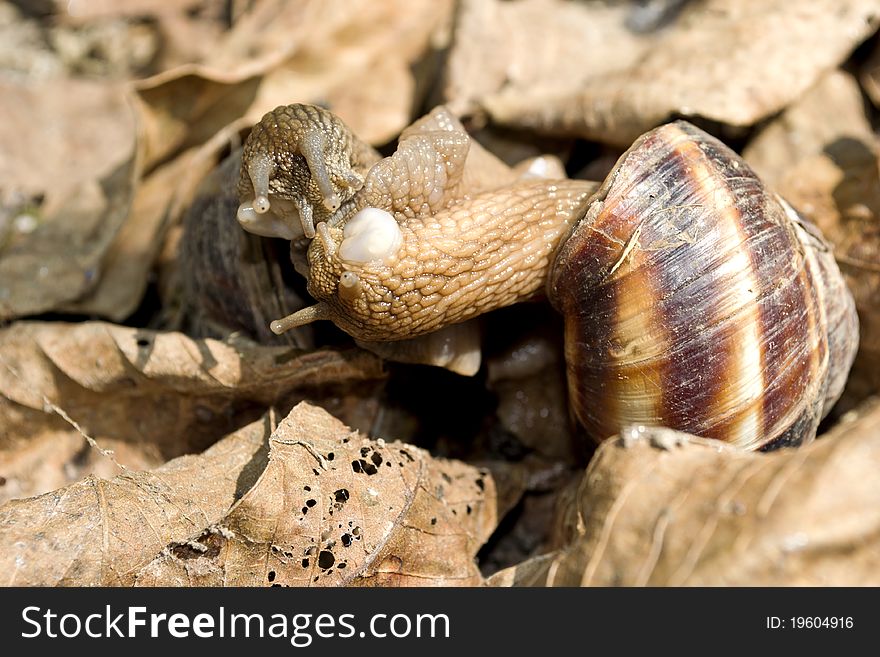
(693, 297)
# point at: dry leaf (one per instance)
(352, 57)
(735, 63)
(535, 43)
(661, 508)
(159, 394)
(830, 111)
(100, 532)
(161, 199)
(184, 30)
(336, 508)
(126, 264)
(821, 154)
(68, 168)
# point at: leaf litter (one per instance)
(191, 447)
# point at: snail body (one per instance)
(693, 298)
(443, 269)
(439, 232)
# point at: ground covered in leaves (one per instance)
(154, 432)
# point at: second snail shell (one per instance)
(693, 297)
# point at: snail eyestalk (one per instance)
(261, 205)
(306, 217)
(300, 318)
(260, 169)
(349, 286)
(312, 148)
(326, 240)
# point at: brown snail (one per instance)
(693, 297)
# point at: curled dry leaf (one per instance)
(133, 390)
(662, 508)
(161, 199)
(68, 166)
(735, 63)
(129, 256)
(334, 508)
(821, 154)
(353, 57)
(99, 532)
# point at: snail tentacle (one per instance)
(301, 317)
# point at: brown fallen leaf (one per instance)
(735, 63)
(146, 394)
(352, 57)
(194, 31)
(821, 154)
(660, 508)
(68, 166)
(161, 200)
(336, 508)
(535, 43)
(831, 110)
(100, 532)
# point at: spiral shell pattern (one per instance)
(696, 299)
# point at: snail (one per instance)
(693, 297)
(437, 173)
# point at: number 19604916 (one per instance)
(809, 622)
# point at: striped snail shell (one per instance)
(696, 299)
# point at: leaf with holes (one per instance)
(333, 508)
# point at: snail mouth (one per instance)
(278, 219)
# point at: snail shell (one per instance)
(695, 299)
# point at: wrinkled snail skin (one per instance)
(301, 165)
(487, 252)
(439, 232)
(695, 299)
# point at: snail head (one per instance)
(300, 166)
